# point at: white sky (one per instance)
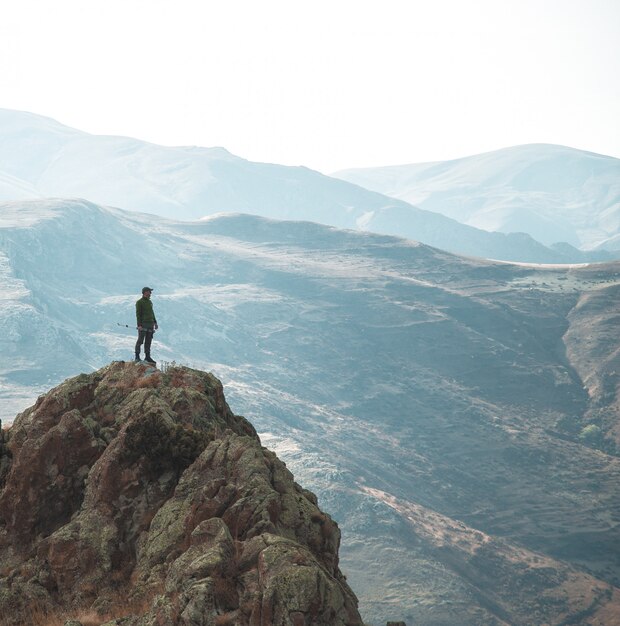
(327, 84)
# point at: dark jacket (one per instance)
(144, 312)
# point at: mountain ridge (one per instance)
(554, 193)
(189, 183)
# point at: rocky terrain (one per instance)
(400, 383)
(135, 497)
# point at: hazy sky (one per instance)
(327, 84)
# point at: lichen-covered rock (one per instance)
(5, 457)
(140, 496)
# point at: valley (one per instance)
(436, 404)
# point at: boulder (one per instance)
(139, 497)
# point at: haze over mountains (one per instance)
(42, 158)
(458, 417)
(553, 193)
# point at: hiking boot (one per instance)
(148, 359)
(137, 358)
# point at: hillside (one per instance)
(553, 193)
(152, 503)
(40, 158)
(400, 383)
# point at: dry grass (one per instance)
(35, 615)
(40, 615)
(177, 378)
(89, 618)
(152, 380)
(136, 378)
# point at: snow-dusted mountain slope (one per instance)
(430, 400)
(41, 158)
(553, 193)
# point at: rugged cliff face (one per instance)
(138, 497)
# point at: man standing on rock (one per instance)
(147, 324)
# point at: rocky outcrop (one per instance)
(137, 497)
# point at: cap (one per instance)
(146, 289)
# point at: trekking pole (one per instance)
(152, 330)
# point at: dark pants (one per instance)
(145, 336)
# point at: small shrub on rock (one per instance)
(591, 434)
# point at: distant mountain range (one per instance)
(458, 417)
(553, 193)
(41, 158)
